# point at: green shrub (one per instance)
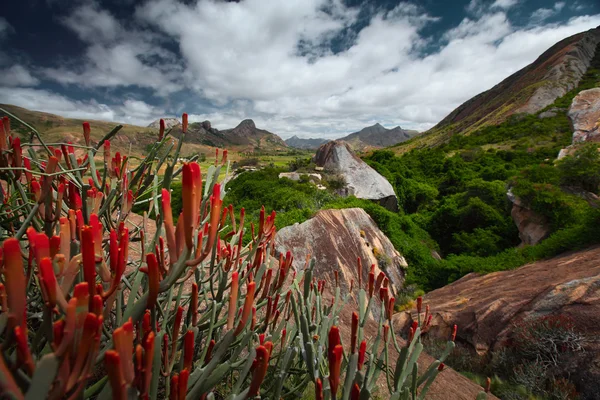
(582, 169)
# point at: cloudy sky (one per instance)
(314, 68)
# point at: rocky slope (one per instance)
(552, 75)
(377, 136)
(169, 123)
(304, 144)
(360, 179)
(487, 307)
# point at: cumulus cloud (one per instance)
(542, 14)
(17, 75)
(130, 111)
(5, 28)
(299, 66)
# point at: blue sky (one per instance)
(313, 68)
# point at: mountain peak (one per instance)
(247, 123)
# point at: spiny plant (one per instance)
(92, 307)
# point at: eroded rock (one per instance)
(360, 179)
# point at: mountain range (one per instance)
(552, 75)
(377, 136)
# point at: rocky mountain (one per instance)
(529, 90)
(201, 137)
(244, 137)
(360, 179)
(377, 136)
(169, 123)
(305, 144)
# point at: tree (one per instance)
(582, 169)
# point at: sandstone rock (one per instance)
(485, 307)
(585, 116)
(361, 180)
(533, 228)
(206, 125)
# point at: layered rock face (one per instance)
(584, 114)
(335, 239)
(486, 307)
(361, 180)
(169, 123)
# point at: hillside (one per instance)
(201, 137)
(555, 73)
(377, 136)
(304, 144)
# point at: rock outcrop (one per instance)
(335, 239)
(169, 123)
(585, 118)
(296, 176)
(533, 228)
(486, 307)
(360, 179)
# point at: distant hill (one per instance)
(306, 144)
(244, 137)
(377, 136)
(556, 72)
(201, 137)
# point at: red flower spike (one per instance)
(361, 354)
(224, 160)
(148, 345)
(188, 350)
(215, 214)
(54, 246)
(261, 363)
(354, 334)
(107, 152)
(86, 133)
(41, 247)
(2, 138)
(269, 347)
(261, 339)
(194, 304)
(334, 340)
(23, 353)
(17, 156)
(337, 282)
(419, 304)
(335, 364)
(253, 321)
(14, 278)
(123, 342)
(168, 221)
(48, 281)
(184, 122)
(441, 367)
(97, 305)
(488, 384)
(6, 124)
(112, 362)
(355, 392)
(233, 296)
(371, 283)
(390, 308)
(189, 204)
(211, 345)
(89, 259)
(319, 390)
(386, 330)
(411, 335)
(153, 280)
(174, 392)
(183, 383)
(161, 132)
(283, 336)
(454, 329)
(247, 307)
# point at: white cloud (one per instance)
(504, 4)
(542, 14)
(17, 75)
(131, 111)
(271, 61)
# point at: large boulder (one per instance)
(533, 227)
(585, 118)
(360, 179)
(486, 308)
(169, 123)
(334, 239)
